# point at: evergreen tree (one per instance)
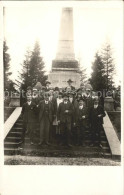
(83, 76)
(109, 67)
(24, 76)
(36, 70)
(6, 64)
(32, 69)
(97, 79)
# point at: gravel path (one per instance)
(29, 160)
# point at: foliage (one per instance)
(32, 69)
(6, 64)
(97, 79)
(109, 67)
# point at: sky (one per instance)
(94, 23)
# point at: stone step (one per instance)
(19, 124)
(29, 146)
(15, 134)
(57, 153)
(11, 151)
(11, 144)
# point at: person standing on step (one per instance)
(29, 116)
(56, 127)
(96, 120)
(64, 116)
(81, 121)
(45, 119)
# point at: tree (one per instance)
(36, 70)
(32, 68)
(83, 76)
(6, 64)
(109, 66)
(97, 79)
(24, 76)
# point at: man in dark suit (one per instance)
(81, 121)
(64, 115)
(45, 119)
(96, 120)
(29, 110)
(88, 99)
(47, 87)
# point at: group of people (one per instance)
(64, 115)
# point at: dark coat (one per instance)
(93, 115)
(88, 101)
(29, 112)
(54, 103)
(61, 115)
(78, 116)
(42, 110)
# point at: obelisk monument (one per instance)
(65, 67)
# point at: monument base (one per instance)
(60, 78)
(109, 104)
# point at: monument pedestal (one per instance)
(60, 78)
(15, 102)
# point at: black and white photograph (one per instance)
(63, 73)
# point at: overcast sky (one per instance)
(94, 24)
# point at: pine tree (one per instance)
(97, 79)
(83, 76)
(24, 76)
(36, 71)
(109, 67)
(32, 69)
(6, 63)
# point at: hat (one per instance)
(70, 81)
(96, 100)
(46, 94)
(60, 93)
(81, 99)
(29, 88)
(79, 89)
(71, 93)
(47, 82)
(38, 86)
(65, 95)
(56, 89)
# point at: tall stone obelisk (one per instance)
(65, 67)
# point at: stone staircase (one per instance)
(12, 146)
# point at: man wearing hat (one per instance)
(56, 127)
(29, 119)
(64, 115)
(47, 86)
(45, 119)
(80, 121)
(70, 85)
(96, 120)
(88, 98)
